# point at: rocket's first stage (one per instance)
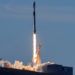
(36, 51)
(34, 16)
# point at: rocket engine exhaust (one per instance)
(34, 49)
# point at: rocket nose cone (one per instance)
(34, 3)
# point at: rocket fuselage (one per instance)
(34, 16)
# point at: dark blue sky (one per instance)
(55, 30)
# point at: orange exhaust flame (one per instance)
(36, 51)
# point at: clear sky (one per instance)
(55, 29)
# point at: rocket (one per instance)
(34, 16)
(36, 54)
(34, 59)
